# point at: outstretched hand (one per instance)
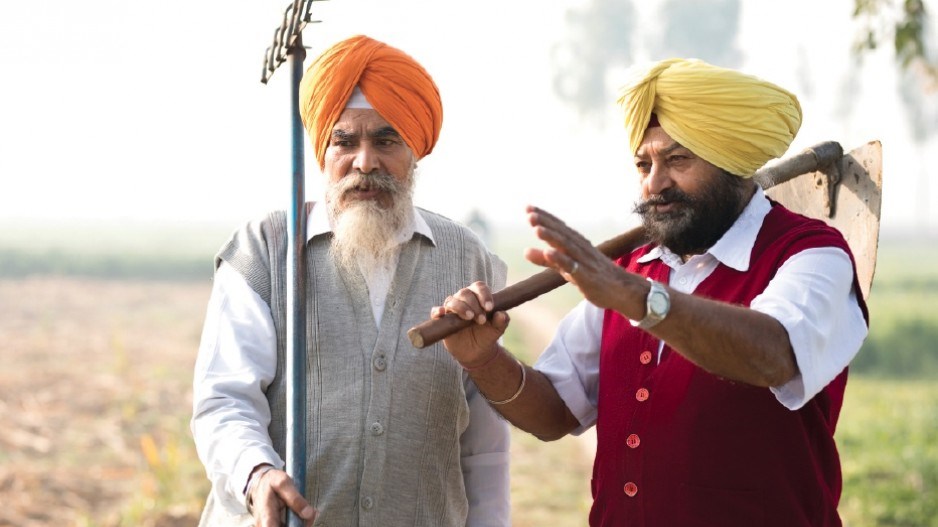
(474, 345)
(575, 258)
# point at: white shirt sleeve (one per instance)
(571, 362)
(236, 362)
(485, 449)
(812, 296)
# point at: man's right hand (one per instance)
(478, 343)
(271, 494)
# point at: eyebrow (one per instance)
(384, 131)
(343, 134)
(668, 149)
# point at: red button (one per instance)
(633, 441)
(641, 394)
(645, 357)
(630, 489)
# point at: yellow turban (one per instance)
(392, 81)
(734, 121)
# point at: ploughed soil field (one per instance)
(95, 394)
(95, 398)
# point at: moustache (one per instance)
(360, 181)
(671, 195)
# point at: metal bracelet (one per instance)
(520, 388)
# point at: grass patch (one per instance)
(903, 318)
(15, 264)
(888, 441)
(110, 250)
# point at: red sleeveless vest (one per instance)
(680, 447)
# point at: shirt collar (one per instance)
(318, 223)
(734, 248)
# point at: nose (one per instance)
(366, 159)
(658, 180)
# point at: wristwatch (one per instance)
(657, 305)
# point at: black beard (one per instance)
(698, 221)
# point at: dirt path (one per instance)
(539, 325)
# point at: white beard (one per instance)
(366, 236)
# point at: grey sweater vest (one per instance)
(384, 419)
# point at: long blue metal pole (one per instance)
(296, 293)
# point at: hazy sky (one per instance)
(133, 110)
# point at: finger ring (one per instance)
(576, 265)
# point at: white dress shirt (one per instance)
(237, 361)
(812, 296)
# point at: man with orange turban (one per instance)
(712, 360)
(395, 435)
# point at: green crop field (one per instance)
(888, 441)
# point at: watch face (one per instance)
(658, 303)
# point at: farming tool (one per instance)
(288, 47)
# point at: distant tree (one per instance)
(477, 222)
(600, 39)
(703, 29)
(600, 36)
(905, 22)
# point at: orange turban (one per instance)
(392, 81)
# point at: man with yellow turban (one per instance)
(712, 360)
(395, 435)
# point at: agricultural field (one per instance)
(97, 350)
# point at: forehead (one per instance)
(656, 139)
(360, 120)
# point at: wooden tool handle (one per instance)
(432, 331)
